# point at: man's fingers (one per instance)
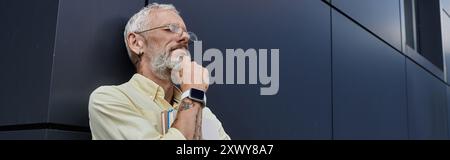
(194, 75)
(206, 77)
(177, 72)
(198, 71)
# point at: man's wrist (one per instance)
(186, 104)
(195, 95)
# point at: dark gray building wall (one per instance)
(343, 71)
(89, 52)
(427, 106)
(372, 105)
(27, 41)
(369, 98)
(54, 53)
(382, 17)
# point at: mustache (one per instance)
(178, 46)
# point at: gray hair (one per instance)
(139, 21)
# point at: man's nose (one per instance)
(184, 39)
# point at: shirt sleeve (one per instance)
(112, 116)
(207, 114)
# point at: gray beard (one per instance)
(162, 65)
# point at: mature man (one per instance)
(156, 39)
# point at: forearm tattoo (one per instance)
(184, 105)
(198, 125)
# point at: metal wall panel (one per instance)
(38, 134)
(26, 45)
(369, 94)
(53, 134)
(427, 104)
(89, 52)
(380, 16)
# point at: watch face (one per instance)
(197, 94)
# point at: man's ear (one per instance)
(135, 43)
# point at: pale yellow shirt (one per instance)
(133, 111)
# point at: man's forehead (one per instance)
(161, 17)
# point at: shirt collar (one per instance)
(151, 89)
